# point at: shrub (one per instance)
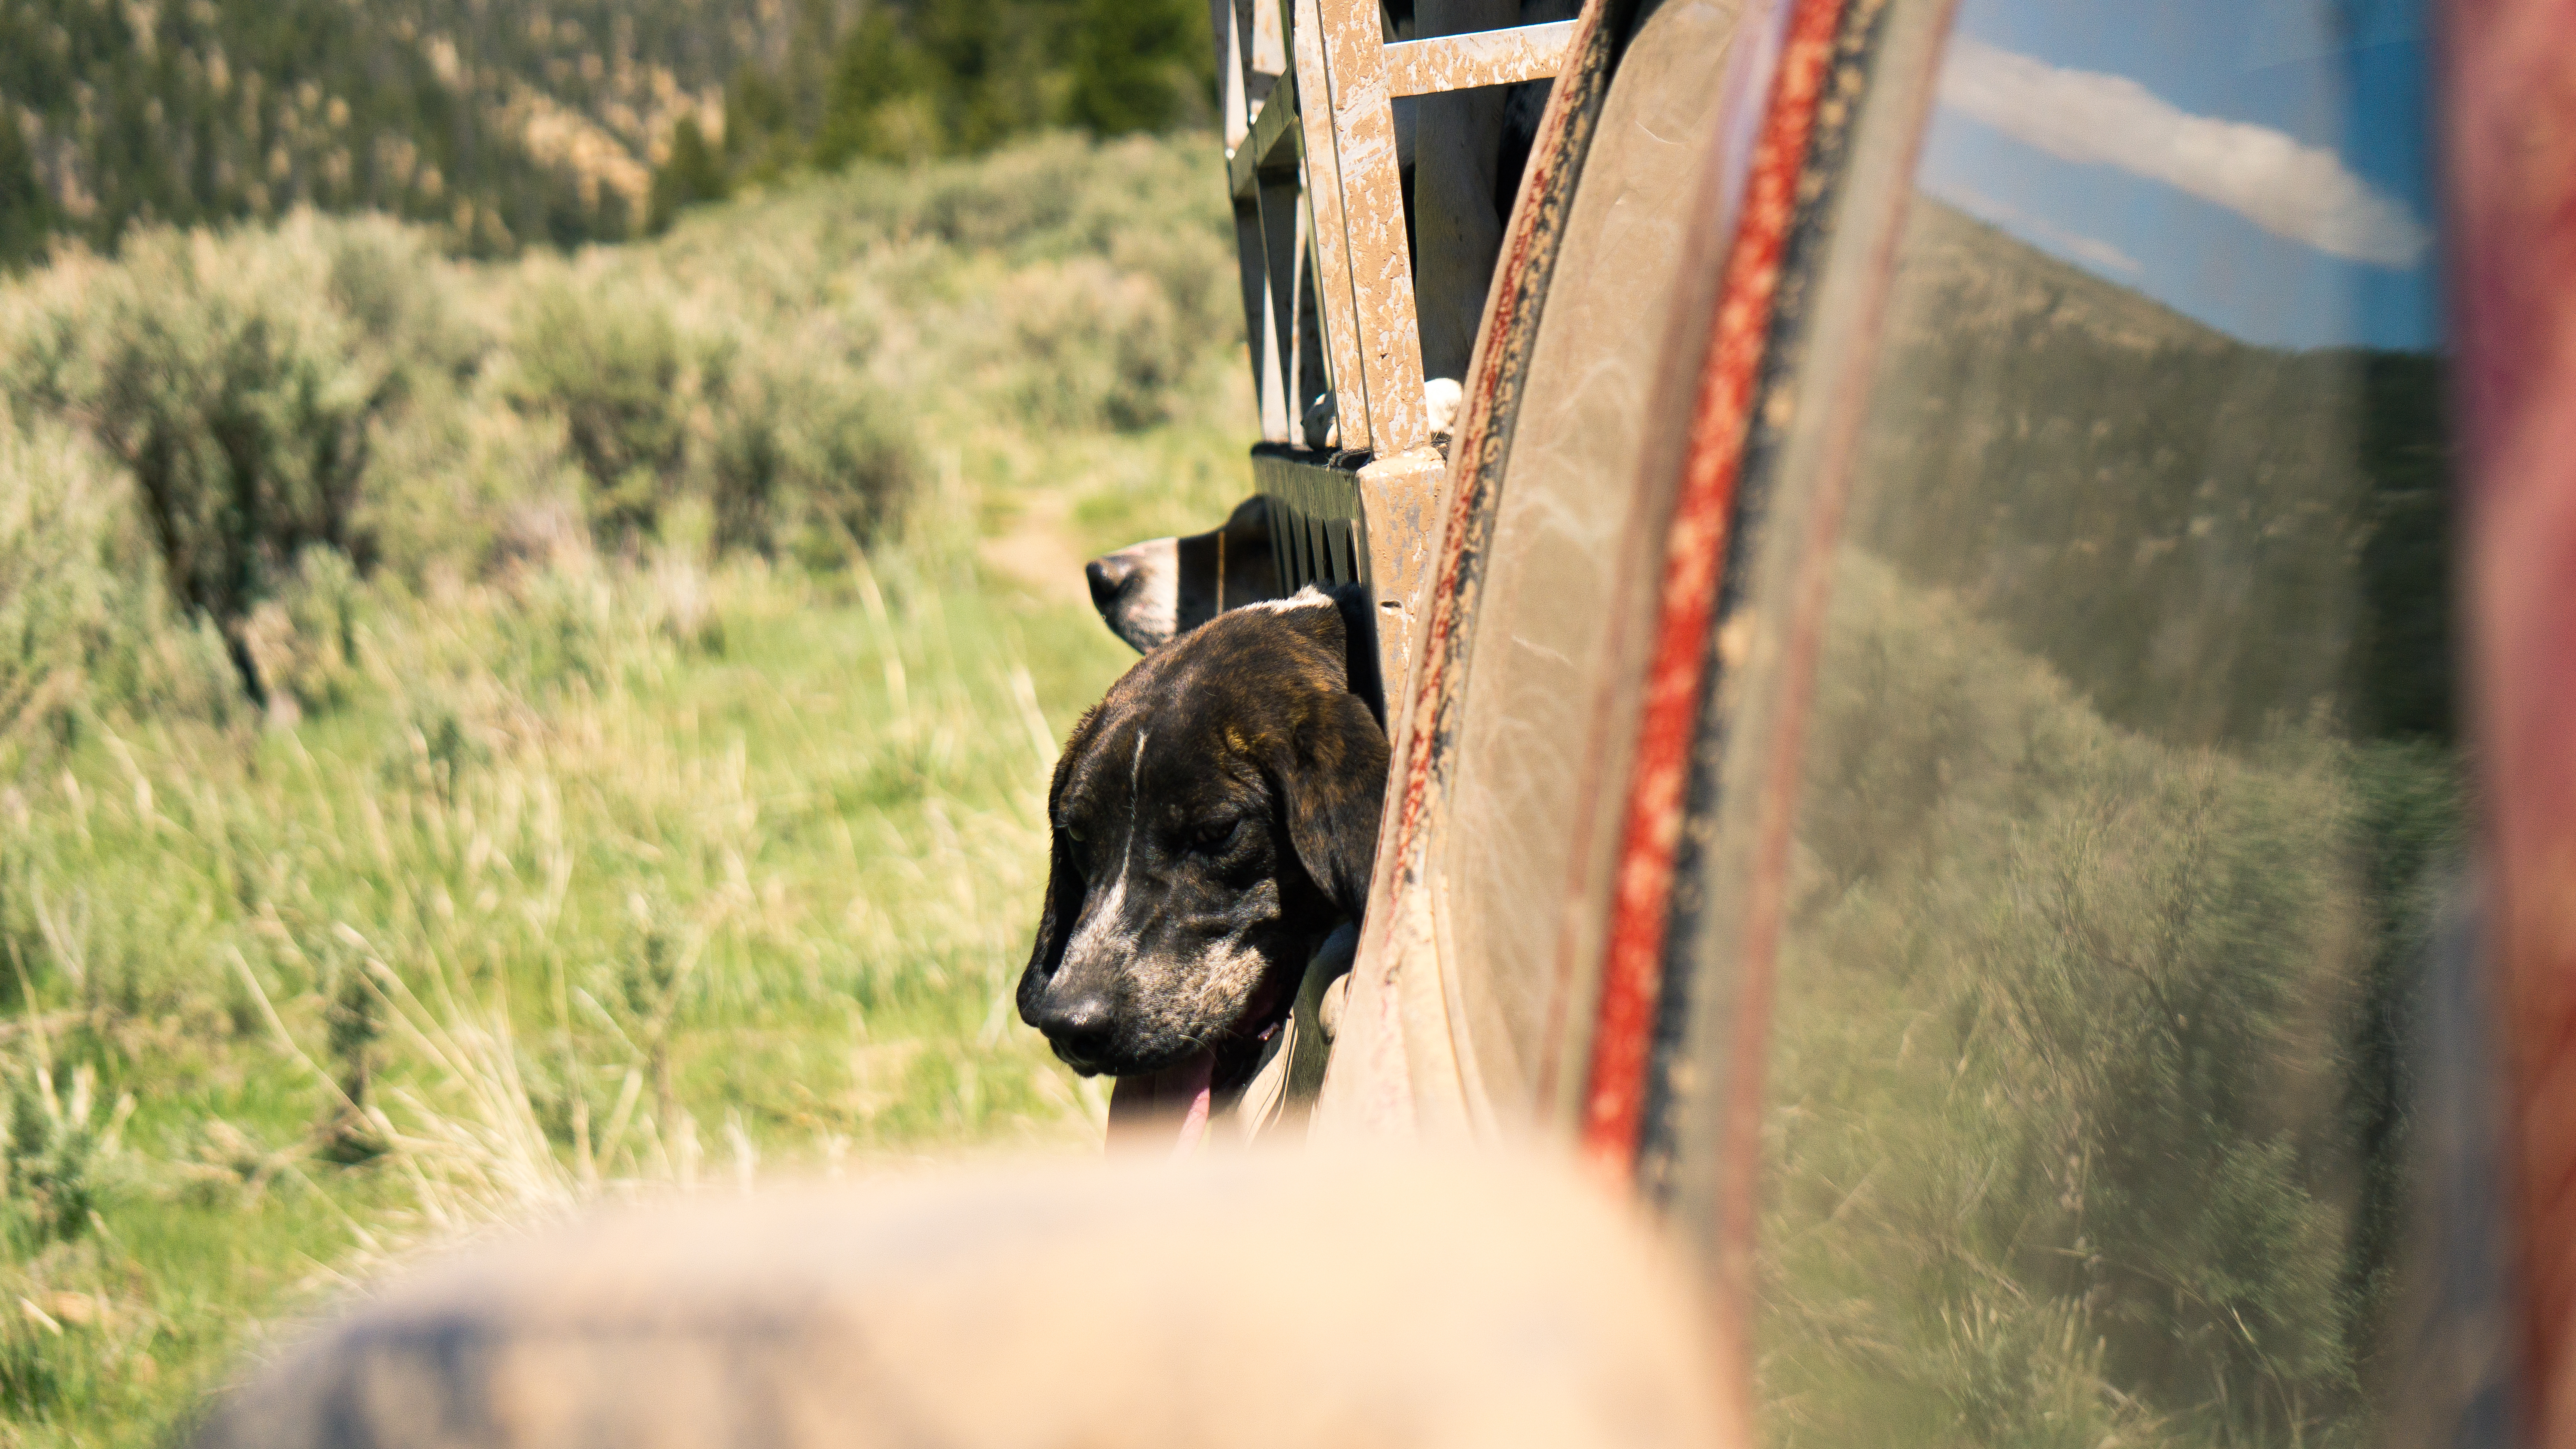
(348, 1131)
(382, 277)
(1032, 194)
(85, 625)
(55, 1146)
(306, 641)
(807, 463)
(243, 400)
(557, 634)
(1088, 344)
(68, 603)
(692, 174)
(613, 373)
(2065, 1011)
(1058, 196)
(1140, 65)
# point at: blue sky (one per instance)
(2261, 165)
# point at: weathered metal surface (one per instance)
(1633, 966)
(1484, 58)
(1269, 38)
(1775, 332)
(1270, 253)
(1400, 496)
(1330, 523)
(1457, 229)
(1285, 263)
(1261, 161)
(1232, 103)
(1337, 303)
(1389, 349)
(1386, 1078)
(1270, 369)
(1568, 597)
(1318, 528)
(1269, 142)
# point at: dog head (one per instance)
(1149, 592)
(1211, 820)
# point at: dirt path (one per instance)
(1038, 553)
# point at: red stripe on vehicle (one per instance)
(2509, 105)
(1632, 973)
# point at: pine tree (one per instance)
(26, 212)
(882, 99)
(693, 173)
(1140, 65)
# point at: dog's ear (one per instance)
(1334, 779)
(1335, 790)
(1347, 635)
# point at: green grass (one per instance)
(2062, 1141)
(619, 871)
(840, 870)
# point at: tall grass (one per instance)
(649, 789)
(2068, 1018)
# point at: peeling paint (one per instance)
(1482, 58)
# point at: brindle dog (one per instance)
(1213, 818)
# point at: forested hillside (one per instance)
(2043, 404)
(2129, 806)
(506, 124)
(907, 80)
(510, 123)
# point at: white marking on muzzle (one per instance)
(1101, 921)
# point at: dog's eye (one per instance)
(1214, 836)
(1073, 832)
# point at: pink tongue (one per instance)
(1144, 1111)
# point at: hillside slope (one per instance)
(2080, 460)
(510, 123)
(504, 123)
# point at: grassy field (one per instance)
(2082, 1126)
(649, 790)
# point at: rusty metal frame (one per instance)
(1308, 90)
(1395, 1071)
(1483, 58)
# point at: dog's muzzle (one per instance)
(1112, 577)
(1137, 591)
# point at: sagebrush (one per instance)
(479, 737)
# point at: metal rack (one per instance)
(1329, 297)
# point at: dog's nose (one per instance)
(1080, 1028)
(1110, 574)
